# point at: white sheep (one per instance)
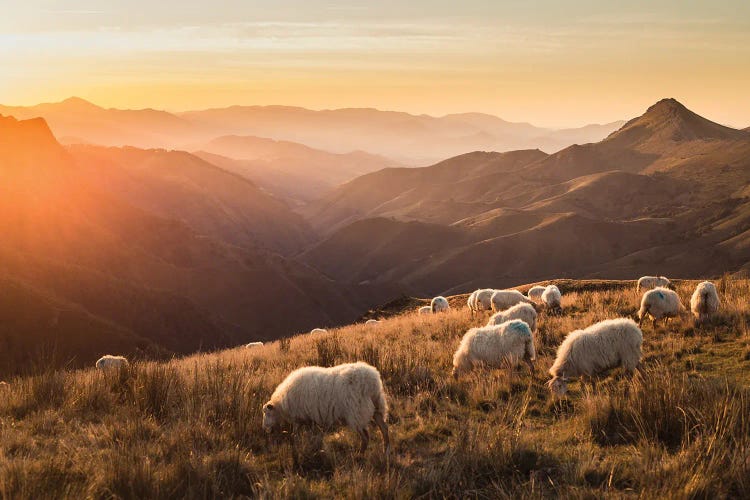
(704, 301)
(472, 302)
(525, 312)
(495, 345)
(535, 293)
(552, 298)
(651, 282)
(108, 361)
(503, 299)
(660, 303)
(318, 330)
(372, 322)
(439, 304)
(253, 344)
(596, 349)
(350, 394)
(425, 310)
(484, 299)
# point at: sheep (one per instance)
(524, 312)
(552, 298)
(704, 301)
(660, 303)
(350, 393)
(494, 345)
(318, 330)
(503, 299)
(535, 293)
(439, 304)
(253, 344)
(484, 299)
(108, 361)
(372, 322)
(425, 310)
(651, 282)
(595, 349)
(472, 302)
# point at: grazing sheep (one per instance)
(472, 302)
(254, 344)
(372, 322)
(524, 312)
(651, 282)
(439, 304)
(350, 394)
(535, 293)
(495, 345)
(660, 303)
(552, 298)
(503, 299)
(705, 301)
(593, 350)
(484, 299)
(108, 361)
(425, 310)
(318, 330)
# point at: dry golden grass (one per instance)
(191, 427)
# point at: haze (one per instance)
(543, 62)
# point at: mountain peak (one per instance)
(669, 120)
(77, 103)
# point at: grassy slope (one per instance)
(191, 427)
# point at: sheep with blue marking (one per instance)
(661, 304)
(495, 346)
(523, 311)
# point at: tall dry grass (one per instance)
(191, 427)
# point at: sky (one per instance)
(551, 63)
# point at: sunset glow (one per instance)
(584, 62)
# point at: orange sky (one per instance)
(547, 62)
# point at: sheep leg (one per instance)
(530, 364)
(364, 435)
(384, 432)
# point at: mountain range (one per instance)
(666, 193)
(401, 137)
(157, 251)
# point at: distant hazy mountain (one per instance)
(403, 137)
(126, 250)
(181, 186)
(289, 170)
(666, 193)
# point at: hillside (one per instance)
(136, 268)
(191, 427)
(667, 191)
(181, 186)
(289, 170)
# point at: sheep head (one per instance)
(271, 417)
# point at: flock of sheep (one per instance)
(353, 394)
